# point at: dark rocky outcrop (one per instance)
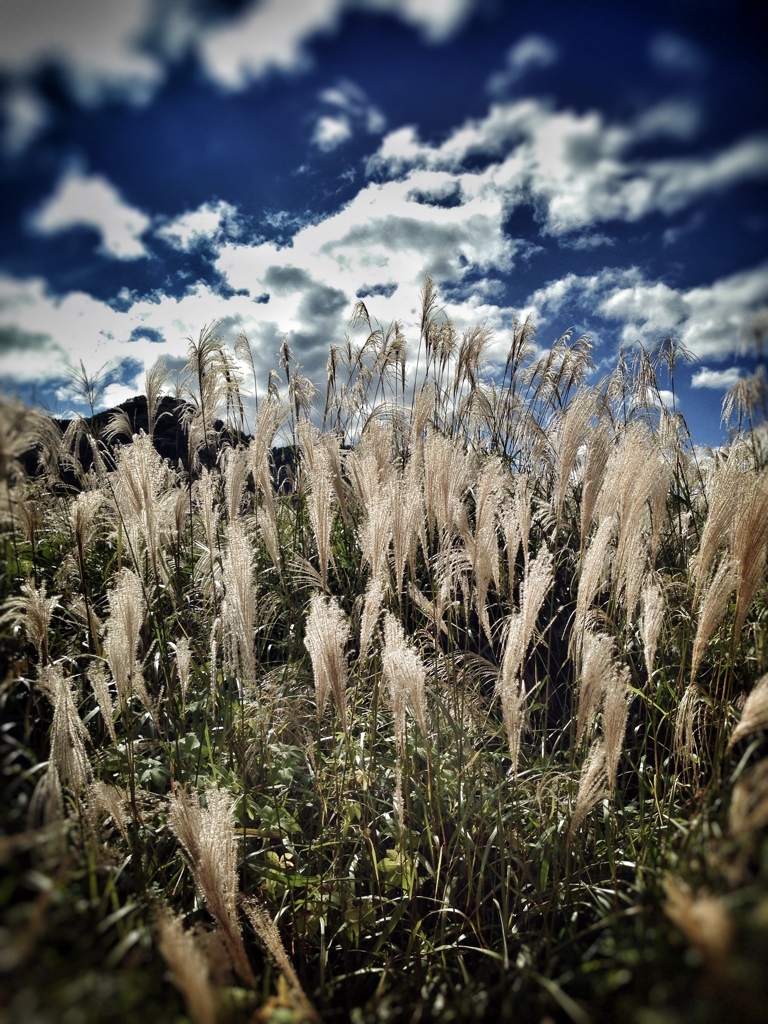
(169, 437)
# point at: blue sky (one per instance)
(168, 163)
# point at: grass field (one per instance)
(460, 716)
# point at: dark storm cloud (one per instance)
(14, 339)
(284, 280)
(150, 333)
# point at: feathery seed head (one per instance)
(326, 635)
(33, 611)
(188, 966)
(68, 734)
(405, 675)
(207, 834)
(754, 715)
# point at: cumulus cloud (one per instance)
(709, 319)
(210, 222)
(98, 45)
(352, 100)
(720, 380)
(26, 115)
(576, 169)
(673, 53)
(384, 234)
(107, 50)
(351, 110)
(271, 35)
(43, 335)
(92, 201)
(530, 52)
(331, 132)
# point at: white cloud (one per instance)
(209, 222)
(674, 54)
(709, 320)
(267, 36)
(718, 379)
(46, 334)
(530, 52)
(331, 132)
(92, 201)
(98, 44)
(26, 115)
(351, 109)
(677, 119)
(672, 235)
(576, 169)
(587, 241)
(271, 35)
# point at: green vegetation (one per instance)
(459, 716)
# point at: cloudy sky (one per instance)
(168, 163)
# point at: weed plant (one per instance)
(458, 716)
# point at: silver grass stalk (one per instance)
(702, 918)
(207, 834)
(592, 785)
(651, 620)
(712, 608)
(213, 655)
(269, 418)
(615, 715)
(238, 607)
(538, 579)
(32, 611)
(511, 688)
(598, 450)
(749, 801)
(567, 441)
(375, 534)
(689, 712)
(405, 676)
(123, 634)
(266, 521)
(235, 463)
(99, 681)
(188, 967)
(155, 380)
(326, 635)
(105, 798)
(749, 545)
(143, 497)
(510, 526)
(482, 545)
(312, 441)
(374, 599)
(183, 666)
(643, 474)
(448, 472)
(634, 570)
(46, 805)
(724, 490)
(523, 505)
(598, 653)
(406, 502)
(534, 588)
(68, 734)
(209, 509)
(319, 509)
(82, 513)
(754, 715)
(370, 465)
(267, 931)
(593, 577)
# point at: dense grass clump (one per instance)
(458, 715)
